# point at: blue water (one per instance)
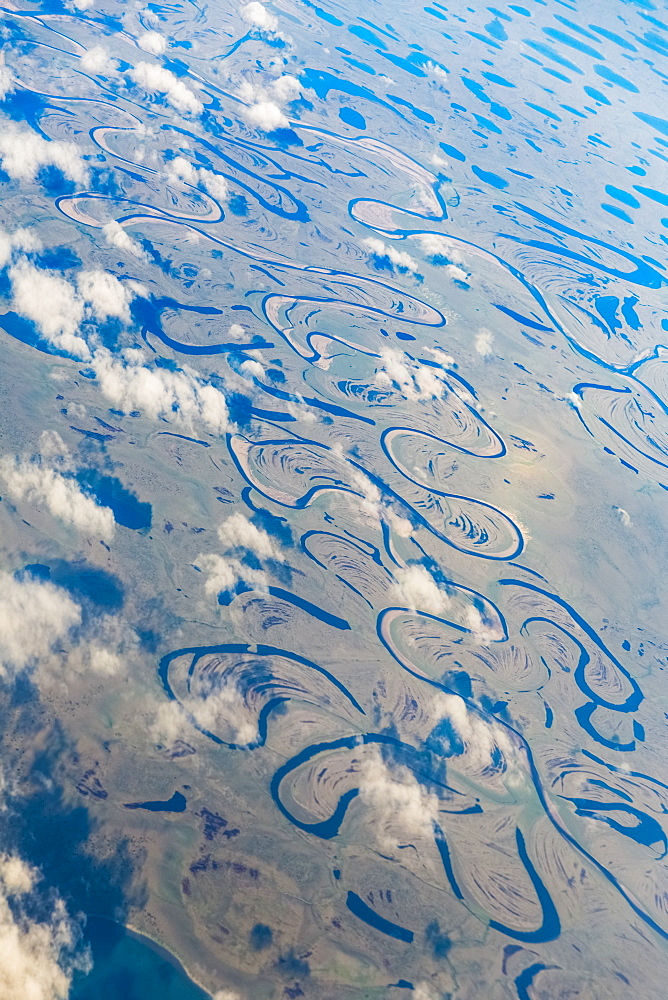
(126, 965)
(333, 470)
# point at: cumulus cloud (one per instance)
(223, 573)
(401, 806)
(152, 42)
(158, 80)
(301, 410)
(237, 530)
(23, 154)
(265, 104)
(399, 258)
(480, 738)
(410, 378)
(98, 60)
(433, 245)
(221, 711)
(37, 958)
(58, 308)
(439, 72)
(267, 116)
(483, 342)
(41, 484)
(440, 355)
(286, 88)
(483, 632)
(415, 588)
(106, 650)
(457, 273)
(180, 169)
(16, 243)
(257, 16)
(106, 297)
(34, 616)
(116, 235)
(179, 395)
(251, 368)
(42, 630)
(237, 332)
(52, 304)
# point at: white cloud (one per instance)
(237, 530)
(39, 483)
(624, 516)
(34, 615)
(169, 724)
(98, 60)
(24, 153)
(6, 79)
(237, 332)
(440, 355)
(52, 304)
(439, 72)
(224, 572)
(153, 42)
(116, 236)
(158, 80)
(398, 257)
(57, 308)
(267, 116)
(484, 339)
(401, 806)
(180, 169)
(301, 410)
(105, 295)
(107, 650)
(36, 958)
(434, 245)
(286, 88)
(482, 632)
(257, 15)
(456, 273)
(416, 589)
(251, 368)
(265, 104)
(222, 712)
(439, 161)
(215, 184)
(480, 737)
(371, 498)
(21, 240)
(42, 630)
(180, 395)
(410, 378)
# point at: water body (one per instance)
(130, 965)
(333, 471)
